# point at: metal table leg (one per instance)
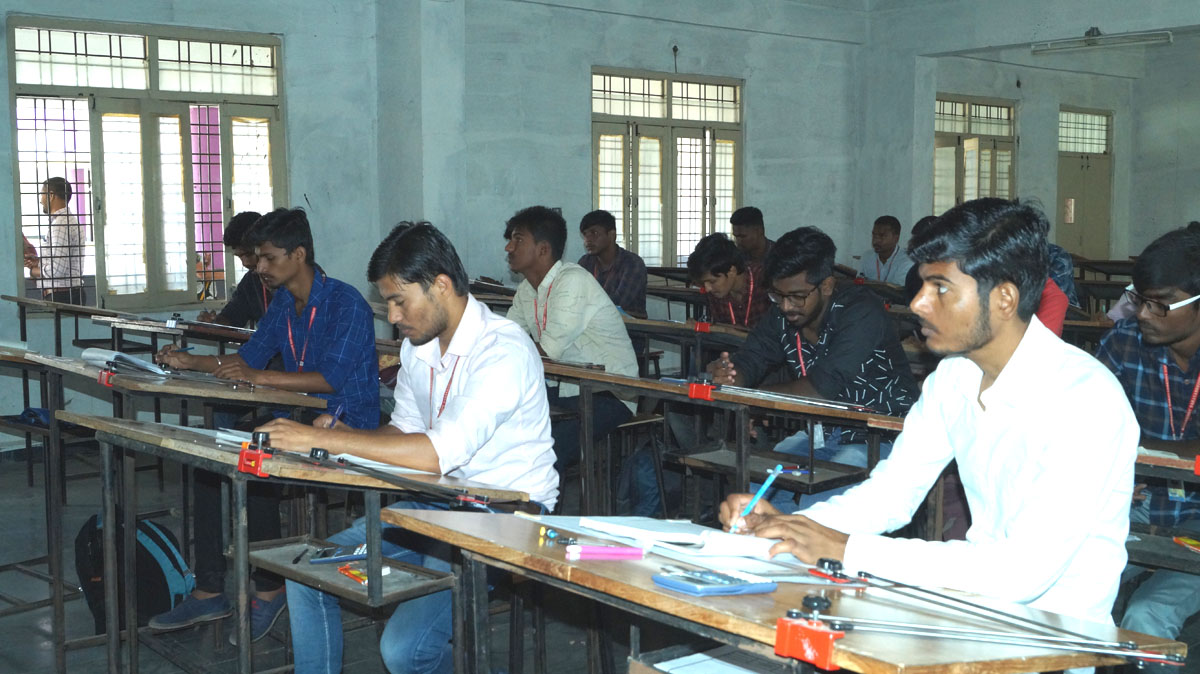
(241, 573)
(111, 612)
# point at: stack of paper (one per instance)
(102, 357)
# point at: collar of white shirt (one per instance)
(466, 335)
(1027, 365)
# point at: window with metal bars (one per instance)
(163, 135)
(1084, 132)
(666, 158)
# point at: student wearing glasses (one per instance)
(834, 341)
(1155, 354)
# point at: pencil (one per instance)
(758, 496)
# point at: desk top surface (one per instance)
(80, 309)
(760, 400)
(186, 442)
(514, 540)
(196, 388)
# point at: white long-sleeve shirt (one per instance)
(1047, 465)
(573, 319)
(495, 424)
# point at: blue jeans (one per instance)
(1161, 604)
(835, 451)
(417, 636)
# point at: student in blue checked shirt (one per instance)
(1155, 355)
(324, 330)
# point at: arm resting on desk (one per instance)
(386, 443)
(233, 367)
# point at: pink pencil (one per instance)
(575, 552)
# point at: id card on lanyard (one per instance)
(312, 316)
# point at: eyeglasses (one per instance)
(796, 299)
(1155, 307)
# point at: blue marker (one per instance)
(771, 475)
(186, 348)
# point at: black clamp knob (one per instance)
(318, 454)
(260, 439)
(830, 566)
(816, 603)
(795, 613)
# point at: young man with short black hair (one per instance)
(325, 332)
(734, 289)
(470, 404)
(886, 261)
(251, 297)
(570, 318)
(750, 234)
(1049, 499)
(1155, 354)
(621, 273)
(834, 340)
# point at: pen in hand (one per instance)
(337, 415)
(771, 475)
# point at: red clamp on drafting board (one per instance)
(703, 326)
(251, 458)
(105, 378)
(700, 391)
(809, 640)
(1196, 470)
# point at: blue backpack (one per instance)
(163, 579)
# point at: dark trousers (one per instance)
(72, 295)
(608, 412)
(262, 517)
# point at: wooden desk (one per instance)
(1108, 268)
(739, 401)
(24, 304)
(692, 343)
(888, 292)
(748, 622)
(201, 451)
(693, 300)
(679, 274)
(1096, 295)
(479, 286)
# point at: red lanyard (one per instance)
(545, 307)
(445, 394)
(304, 349)
(749, 301)
(262, 286)
(800, 355)
(1191, 406)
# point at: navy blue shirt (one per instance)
(340, 345)
(1139, 368)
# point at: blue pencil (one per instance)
(337, 415)
(758, 497)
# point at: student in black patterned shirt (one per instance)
(834, 341)
(621, 273)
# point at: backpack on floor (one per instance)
(163, 578)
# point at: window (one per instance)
(162, 133)
(666, 155)
(1084, 132)
(973, 151)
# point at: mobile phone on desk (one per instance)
(713, 583)
(336, 553)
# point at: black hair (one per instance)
(715, 254)
(58, 187)
(1170, 261)
(285, 228)
(600, 217)
(417, 253)
(747, 216)
(993, 241)
(805, 250)
(239, 225)
(889, 221)
(545, 225)
(1194, 226)
(921, 225)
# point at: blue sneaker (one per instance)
(263, 615)
(192, 611)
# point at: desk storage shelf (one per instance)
(405, 581)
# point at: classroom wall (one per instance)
(505, 117)
(899, 80)
(1166, 159)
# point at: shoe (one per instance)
(192, 611)
(263, 615)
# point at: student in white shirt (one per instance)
(470, 403)
(1044, 438)
(570, 318)
(886, 261)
